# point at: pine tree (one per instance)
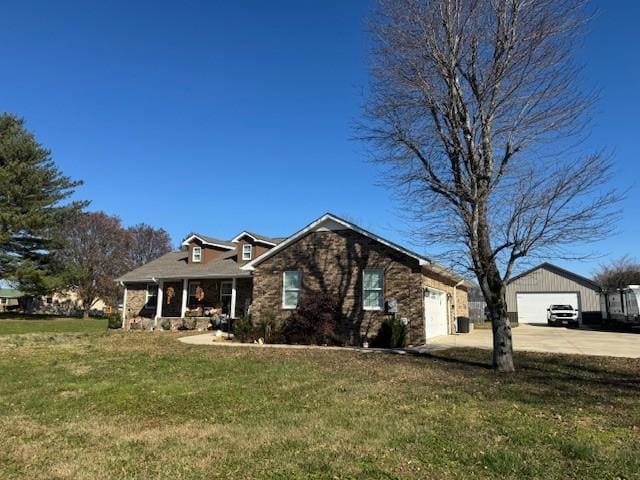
(34, 202)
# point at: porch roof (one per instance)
(173, 265)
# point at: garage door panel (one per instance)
(435, 306)
(532, 307)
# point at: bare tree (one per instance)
(619, 273)
(476, 108)
(147, 243)
(94, 255)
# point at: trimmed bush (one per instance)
(114, 321)
(392, 334)
(314, 322)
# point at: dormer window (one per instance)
(247, 251)
(196, 255)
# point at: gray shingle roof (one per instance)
(264, 238)
(174, 265)
(217, 241)
(208, 239)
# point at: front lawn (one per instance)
(12, 324)
(143, 405)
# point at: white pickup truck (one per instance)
(560, 314)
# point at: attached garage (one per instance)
(532, 292)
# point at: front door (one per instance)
(435, 313)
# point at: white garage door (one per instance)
(435, 313)
(532, 307)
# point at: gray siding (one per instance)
(545, 280)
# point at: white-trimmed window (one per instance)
(247, 251)
(291, 288)
(193, 290)
(152, 295)
(196, 254)
(373, 289)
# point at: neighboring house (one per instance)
(532, 292)
(66, 302)
(268, 277)
(10, 299)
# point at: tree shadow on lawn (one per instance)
(36, 316)
(567, 381)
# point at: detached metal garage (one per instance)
(532, 292)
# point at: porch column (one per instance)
(233, 298)
(185, 293)
(159, 303)
(124, 310)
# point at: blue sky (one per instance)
(222, 116)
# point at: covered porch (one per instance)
(214, 301)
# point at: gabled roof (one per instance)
(214, 242)
(10, 293)
(258, 238)
(332, 222)
(560, 271)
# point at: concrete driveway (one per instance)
(542, 338)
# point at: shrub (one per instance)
(392, 334)
(314, 322)
(114, 320)
(165, 324)
(267, 326)
(243, 330)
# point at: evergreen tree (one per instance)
(33, 205)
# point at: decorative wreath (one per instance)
(171, 293)
(199, 294)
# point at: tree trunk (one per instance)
(493, 289)
(502, 342)
(85, 313)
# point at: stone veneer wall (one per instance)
(136, 297)
(332, 262)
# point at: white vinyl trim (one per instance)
(285, 290)
(204, 242)
(124, 310)
(257, 240)
(234, 289)
(380, 289)
(159, 304)
(185, 296)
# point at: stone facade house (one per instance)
(369, 277)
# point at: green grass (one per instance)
(145, 406)
(10, 325)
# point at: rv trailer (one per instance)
(621, 305)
